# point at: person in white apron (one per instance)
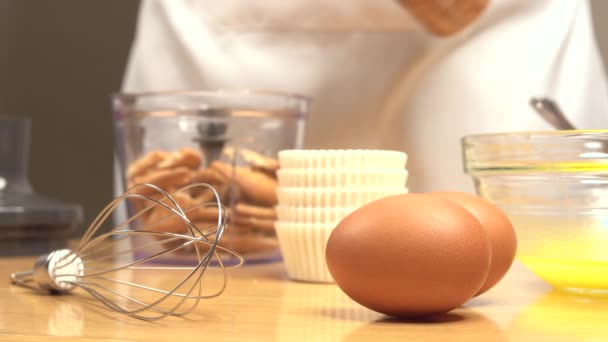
(380, 74)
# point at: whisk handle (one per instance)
(55, 272)
(23, 277)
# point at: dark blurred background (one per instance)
(59, 62)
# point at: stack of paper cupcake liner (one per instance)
(317, 189)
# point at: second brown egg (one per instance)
(503, 241)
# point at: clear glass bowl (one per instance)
(228, 139)
(30, 223)
(554, 188)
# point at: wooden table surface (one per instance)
(260, 303)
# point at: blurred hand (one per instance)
(445, 17)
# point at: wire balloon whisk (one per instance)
(120, 266)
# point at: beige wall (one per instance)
(59, 61)
(600, 20)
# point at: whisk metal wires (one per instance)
(120, 268)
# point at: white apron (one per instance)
(378, 79)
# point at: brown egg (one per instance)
(409, 255)
(500, 232)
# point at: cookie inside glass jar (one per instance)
(244, 179)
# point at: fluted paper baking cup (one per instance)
(337, 159)
(344, 178)
(312, 215)
(303, 249)
(333, 197)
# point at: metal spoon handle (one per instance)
(550, 111)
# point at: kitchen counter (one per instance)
(260, 303)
